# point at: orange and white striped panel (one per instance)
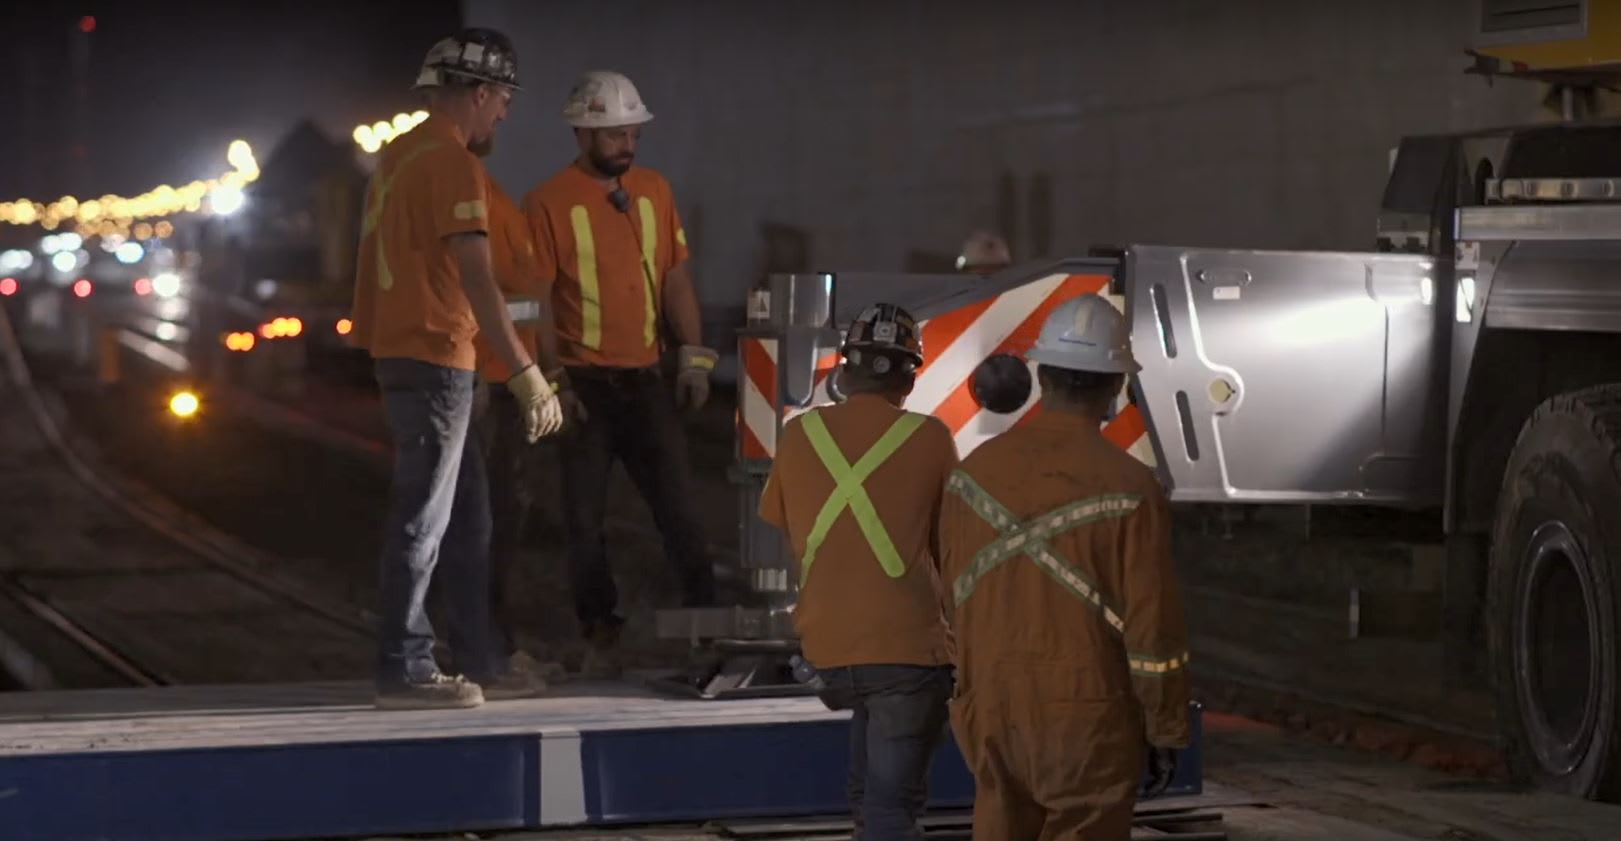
(954, 344)
(756, 398)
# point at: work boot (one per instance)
(602, 659)
(439, 692)
(514, 685)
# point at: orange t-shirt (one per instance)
(607, 267)
(512, 250)
(850, 610)
(409, 301)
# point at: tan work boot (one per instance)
(440, 692)
(525, 677)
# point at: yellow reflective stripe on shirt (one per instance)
(1145, 666)
(376, 200)
(650, 251)
(848, 491)
(585, 249)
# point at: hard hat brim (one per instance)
(588, 122)
(1071, 362)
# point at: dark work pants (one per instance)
(438, 522)
(899, 719)
(633, 419)
(509, 461)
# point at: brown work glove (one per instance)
(537, 403)
(692, 376)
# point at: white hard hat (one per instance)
(1086, 334)
(984, 248)
(604, 99)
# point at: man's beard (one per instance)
(612, 166)
(482, 148)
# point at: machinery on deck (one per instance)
(1471, 365)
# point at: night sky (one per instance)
(170, 84)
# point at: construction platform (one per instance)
(316, 760)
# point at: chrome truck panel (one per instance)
(1291, 376)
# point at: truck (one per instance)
(1468, 364)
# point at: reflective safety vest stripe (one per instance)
(849, 492)
(376, 200)
(1030, 538)
(585, 248)
(650, 251)
(1143, 665)
(523, 311)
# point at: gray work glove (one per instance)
(1161, 768)
(692, 379)
(538, 405)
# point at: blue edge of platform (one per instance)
(470, 783)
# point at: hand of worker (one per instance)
(574, 411)
(692, 380)
(537, 403)
(1161, 768)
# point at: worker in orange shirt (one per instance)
(610, 246)
(1072, 647)
(423, 288)
(498, 424)
(857, 488)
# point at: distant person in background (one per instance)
(984, 253)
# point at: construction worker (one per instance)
(423, 289)
(984, 253)
(856, 487)
(611, 249)
(498, 422)
(1071, 642)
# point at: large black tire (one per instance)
(1552, 595)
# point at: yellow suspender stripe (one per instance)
(585, 246)
(650, 250)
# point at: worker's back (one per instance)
(857, 606)
(1097, 598)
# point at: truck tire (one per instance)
(1552, 595)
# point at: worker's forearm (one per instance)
(489, 308)
(681, 302)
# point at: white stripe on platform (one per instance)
(562, 778)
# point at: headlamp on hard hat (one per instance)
(884, 339)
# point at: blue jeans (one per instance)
(899, 720)
(439, 517)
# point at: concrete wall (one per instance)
(879, 128)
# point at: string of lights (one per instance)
(114, 215)
(372, 137)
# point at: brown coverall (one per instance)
(1071, 641)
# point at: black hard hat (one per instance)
(476, 53)
(883, 338)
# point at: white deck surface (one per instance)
(43, 723)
